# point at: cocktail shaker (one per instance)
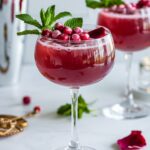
(11, 46)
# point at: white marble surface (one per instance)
(48, 131)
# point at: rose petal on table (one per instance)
(134, 141)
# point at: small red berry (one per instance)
(26, 100)
(47, 33)
(37, 109)
(76, 38)
(78, 30)
(67, 30)
(55, 34)
(59, 26)
(63, 37)
(84, 36)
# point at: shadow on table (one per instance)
(114, 147)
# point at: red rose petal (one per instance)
(135, 141)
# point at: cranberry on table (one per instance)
(26, 100)
(67, 30)
(84, 36)
(55, 34)
(59, 26)
(37, 109)
(78, 30)
(47, 33)
(76, 38)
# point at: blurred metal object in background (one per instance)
(144, 75)
(11, 46)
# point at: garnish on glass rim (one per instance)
(48, 18)
(102, 3)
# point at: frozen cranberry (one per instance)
(26, 100)
(59, 26)
(78, 30)
(37, 109)
(63, 37)
(47, 33)
(76, 38)
(55, 34)
(97, 33)
(113, 8)
(121, 9)
(67, 30)
(84, 36)
(130, 9)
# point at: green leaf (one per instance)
(93, 4)
(29, 20)
(50, 14)
(102, 3)
(74, 22)
(42, 15)
(62, 109)
(28, 32)
(62, 15)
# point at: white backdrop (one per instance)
(78, 8)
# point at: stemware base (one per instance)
(81, 148)
(125, 111)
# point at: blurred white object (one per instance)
(144, 75)
(11, 46)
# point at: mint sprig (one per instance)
(102, 3)
(48, 18)
(65, 110)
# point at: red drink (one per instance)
(73, 65)
(131, 32)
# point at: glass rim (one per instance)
(61, 42)
(143, 13)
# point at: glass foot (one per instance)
(126, 111)
(81, 148)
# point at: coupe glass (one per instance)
(131, 33)
(75, 65)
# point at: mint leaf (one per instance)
(102, 3)
(28, 32)
(50, 14)
(29, 20)
(93, 4)
(42, 15)
(74, 22)
(62, 15)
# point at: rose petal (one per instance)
(134, 141)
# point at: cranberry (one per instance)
(63, 37)
(97, 33)
(59, 26)
(55, 34)
(47, 33)
(113, 8)
(67, 30)
(37, 109)
(84, 36)
(26, 100)
(121, 8)
(130, 9)
(76, 38)
(78, 30)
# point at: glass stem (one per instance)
(129, 93)
(74, 143)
